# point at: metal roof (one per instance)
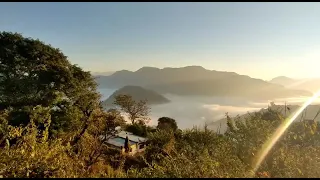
(119, 139)
(131, 136)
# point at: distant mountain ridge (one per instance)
(198, 81)
(282, 80)
(312, 84)
(102, 73)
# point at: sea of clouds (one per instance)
(197, 111)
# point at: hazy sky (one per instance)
(261, 40)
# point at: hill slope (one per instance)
(137, 93)
(283, 80)
(310, 113)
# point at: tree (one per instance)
(167, 123)
(42, 95)
(127, 144)
(34, 73)
(34, 155)
(197, 153)
(119, 120)
(139, 129)
(92, 143)
(137, 111)
(22, 158)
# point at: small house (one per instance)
(136, 143)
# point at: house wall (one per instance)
(135, 149)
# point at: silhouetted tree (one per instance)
(126, 144)
(167, 123)
(136, 111)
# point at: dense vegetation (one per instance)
(51, 120)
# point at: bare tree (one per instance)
(136, 111)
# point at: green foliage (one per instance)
(203, 153)
(167, 123)
(157, 143)
(51, 123)
(139, 129)
(33, 155)
(198, 153)
(291, 155)
(33, 73)
(249, 134)
(119, 120)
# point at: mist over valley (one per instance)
(190, 106)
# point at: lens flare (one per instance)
(274, 138)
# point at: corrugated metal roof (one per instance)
(119, 139)
(131, 136)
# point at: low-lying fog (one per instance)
(190, 111)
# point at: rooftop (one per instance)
(131, 136)
(119, 139)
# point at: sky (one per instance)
(262, 40)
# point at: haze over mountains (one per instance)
(102, 73)
(312, 85)
(198, 81)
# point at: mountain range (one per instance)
(198, 81)
(108, 73)
(312, 85)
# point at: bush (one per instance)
(139, 129)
